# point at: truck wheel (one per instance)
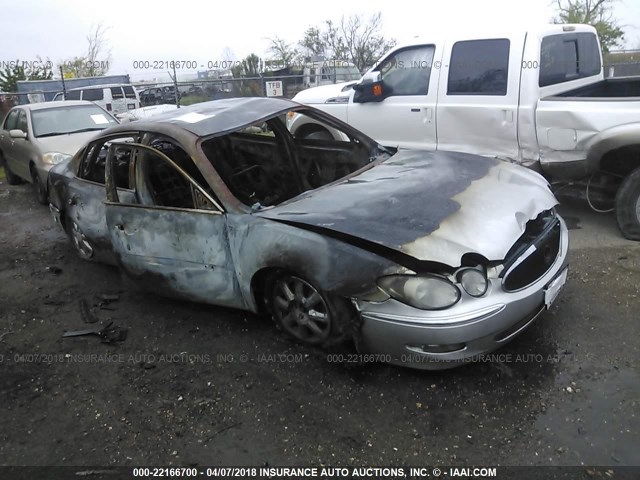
(628, 206)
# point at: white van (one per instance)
(114, 98)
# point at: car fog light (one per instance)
(474, 282)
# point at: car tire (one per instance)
(320, 134)
(12, 178)
(40, 190)
(628, 206)
(308, 314)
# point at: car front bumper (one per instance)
(431, 340)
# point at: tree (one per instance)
(312, 42)
(283, 53)
(35, 70)
(95, 62)
(355, 38)
(593, 12)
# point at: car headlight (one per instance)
(473, 281)
(53, 158)
(424, 292)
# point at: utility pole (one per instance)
(64, 89)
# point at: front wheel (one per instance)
(628, 206)
(40, 190)
(307, 313)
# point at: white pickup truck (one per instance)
(537, 97)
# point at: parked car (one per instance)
(114, 98)
(537, 97)
(159, 96)
(421, 258)
(35, 137)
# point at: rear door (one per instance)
(407, 117)
(478, 97)
(174, 237)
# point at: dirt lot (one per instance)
(199, 385)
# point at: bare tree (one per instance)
(283, 53)
(357, 39)
(593, 12)
(95, 62)
(98, 52)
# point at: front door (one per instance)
(406, 118)
(174, 238)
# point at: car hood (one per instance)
(68, 144)
(322, 93)
(433, 206)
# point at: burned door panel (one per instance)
(181, 252)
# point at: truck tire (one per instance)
(628, 206)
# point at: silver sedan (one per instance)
(35, 137)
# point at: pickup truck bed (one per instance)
(619, 88)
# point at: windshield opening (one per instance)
(70, 119)
(270, 162)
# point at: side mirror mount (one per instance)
(17, 133)
(369, 89)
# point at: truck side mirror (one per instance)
(369, 89)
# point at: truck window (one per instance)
(73, 95)
(116, 93)
(566, 57)
(407, 71)
(479, 67)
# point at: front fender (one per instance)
(331, 265)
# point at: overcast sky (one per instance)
(201, 31)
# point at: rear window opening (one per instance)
(129, 92)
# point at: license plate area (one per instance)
(554, 287)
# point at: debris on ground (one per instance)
(55, 270)
(85, 313)
(108, 333)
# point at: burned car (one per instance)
(424, 259)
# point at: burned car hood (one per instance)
(432, 206)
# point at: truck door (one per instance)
(478, 97)
(406, 117)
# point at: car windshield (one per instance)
(273, 161)
(70, 119)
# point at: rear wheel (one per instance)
(39, 189)
(628, 206)
(307, 313)
(12, 178)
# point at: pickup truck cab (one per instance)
(537, 97)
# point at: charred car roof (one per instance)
(215, 117)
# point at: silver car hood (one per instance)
(69, 143)
(433, 206)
